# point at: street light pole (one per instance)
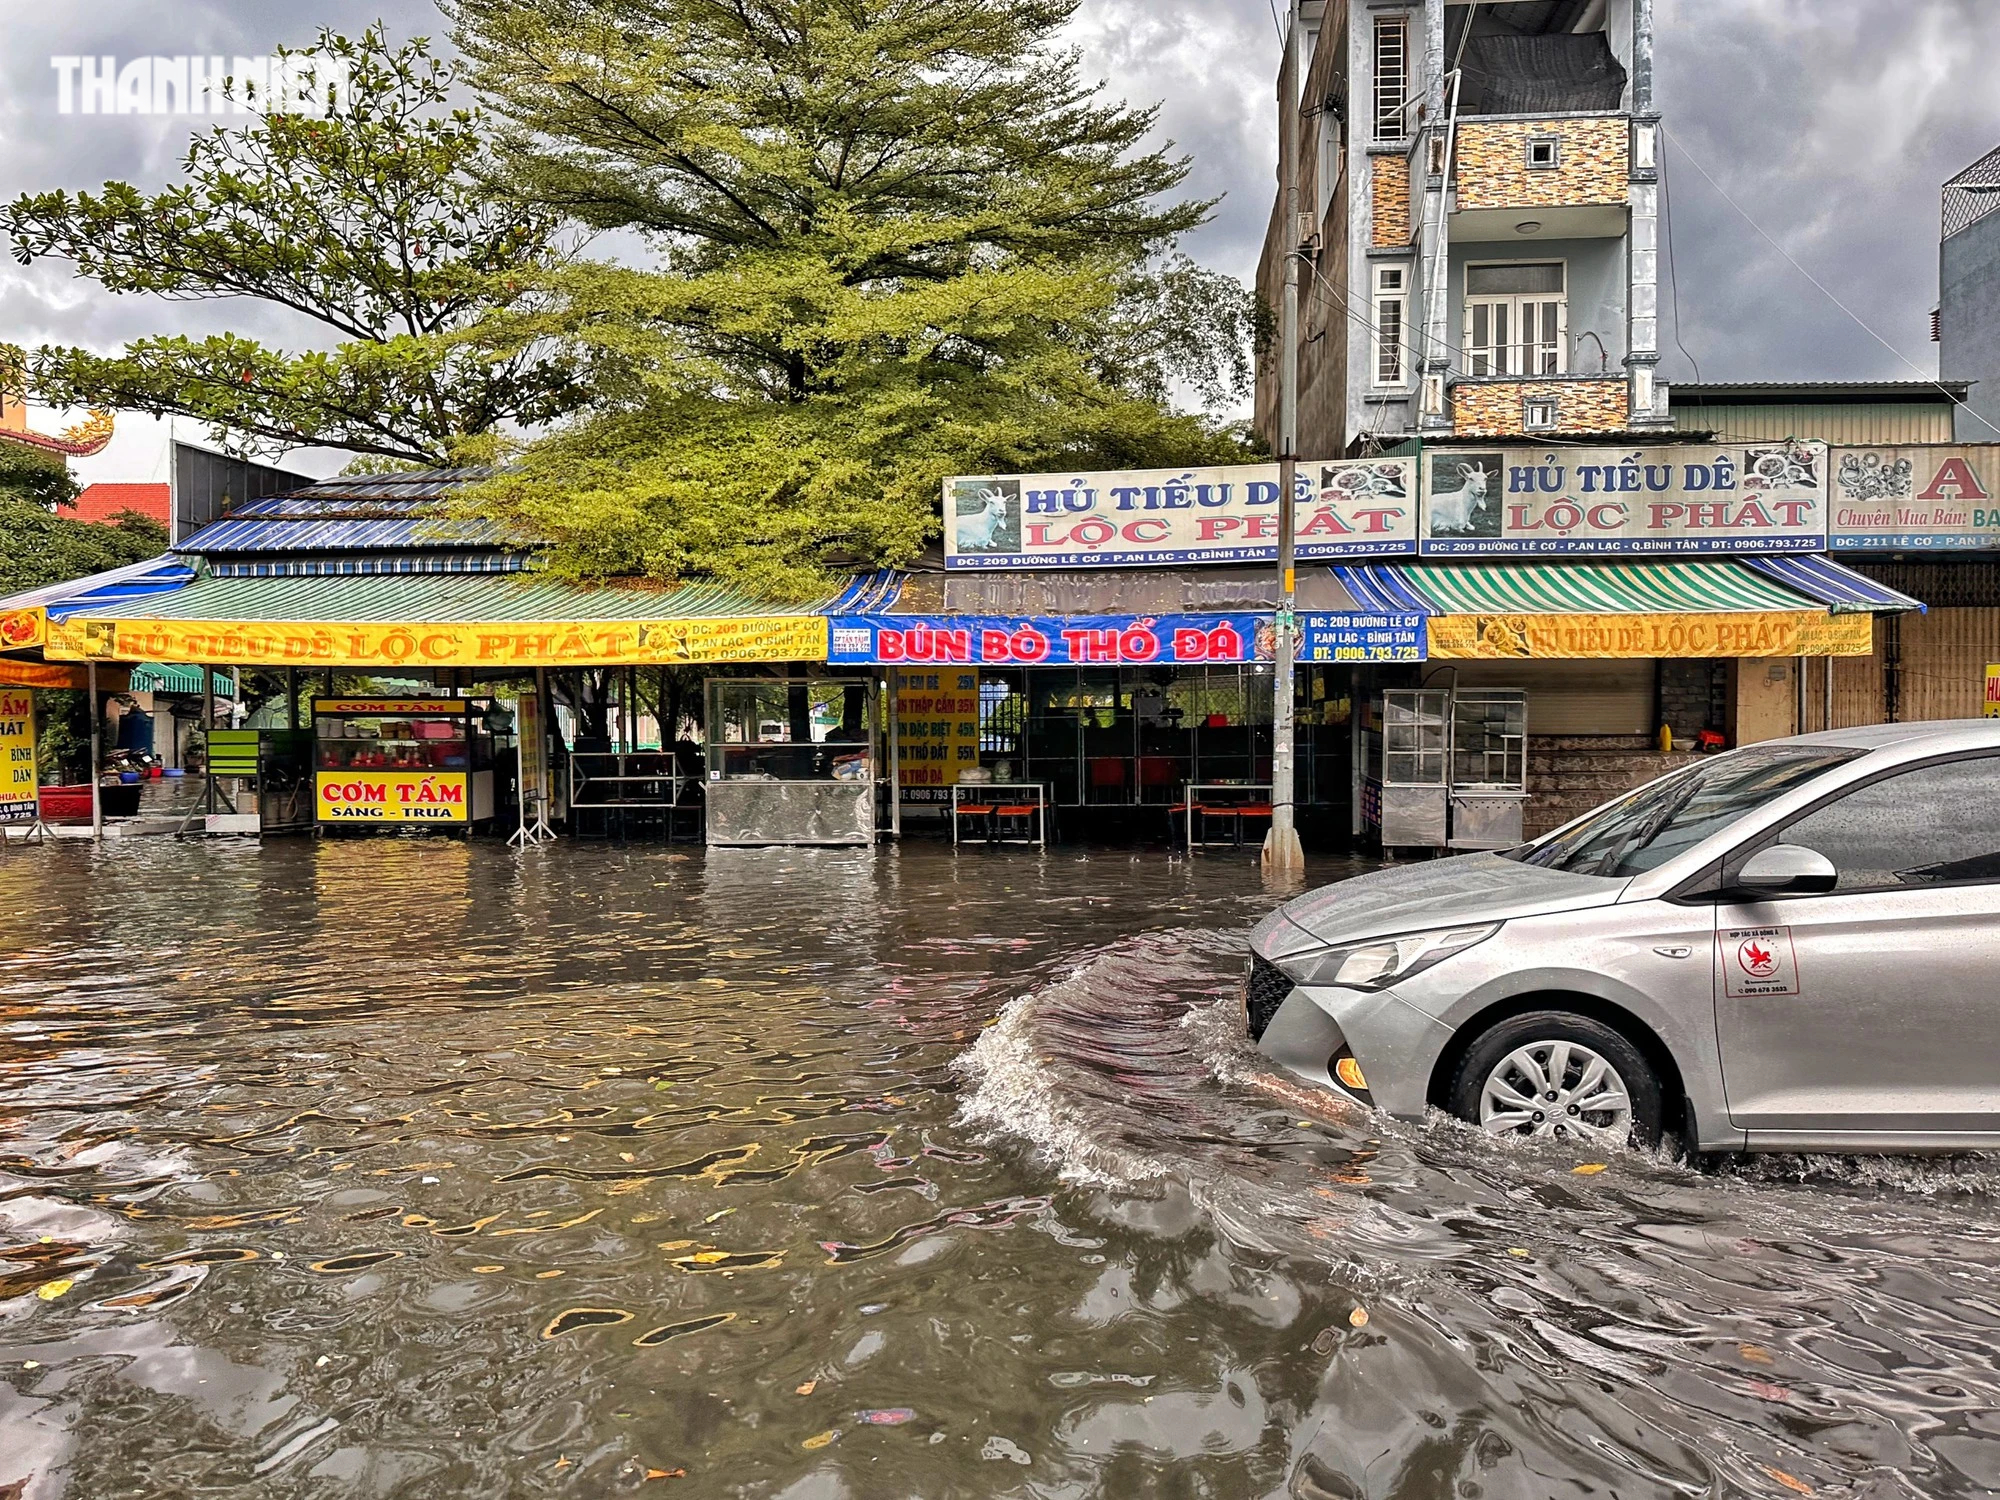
(1282, 853)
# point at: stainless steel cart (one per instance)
(1414, 771)
(1489, 767)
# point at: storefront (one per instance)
(1115, 691)
(406, 762)
(1589, 647)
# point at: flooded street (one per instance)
(408, 1168)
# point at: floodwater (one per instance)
(407, 1168)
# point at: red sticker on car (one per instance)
(1758, 961)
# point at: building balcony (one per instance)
(1567, 176)
(1517, 406)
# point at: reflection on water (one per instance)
(408, 1168)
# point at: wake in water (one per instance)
(1801, 1325)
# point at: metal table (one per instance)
(1193, 807)
(995, 800)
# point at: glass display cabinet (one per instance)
(1411, 765)
(792, 760)
(400, 763)
(1489, 767)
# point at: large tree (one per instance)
(889, 240)
(370, 221)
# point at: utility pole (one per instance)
(1282, 853)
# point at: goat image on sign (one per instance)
(986, 515)
(1466, 503)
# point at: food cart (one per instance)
(401, 763)
(792, 760)
(1489, 767)
(1408, 772)
(1447, 768)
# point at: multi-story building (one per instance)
(1968, 315)
(1478, 226)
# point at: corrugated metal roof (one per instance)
(331, 509)
(443, 560)
(272, 534)
(411, 484)
(154, 677)
(1856, 423)
(441, 598)
(1700, 393)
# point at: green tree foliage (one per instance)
(370, 223)
(892, 240)
(39, 545)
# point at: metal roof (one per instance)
(442, 598)
(409, 484)
(154, 677)
(289, 534)
(1795, 392)
(332, 508)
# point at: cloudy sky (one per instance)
(1831, 121)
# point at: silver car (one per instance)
(1791, 947)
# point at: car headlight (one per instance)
(1377, 965)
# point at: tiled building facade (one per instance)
(1479, 223)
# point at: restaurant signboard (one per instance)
(20, 782)
(1348, 508)
(1052, 641)
(1757, 497)
(392, 796)
(937, 730)
(1915, 499)
(1356, 638)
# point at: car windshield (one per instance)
(1644, 830)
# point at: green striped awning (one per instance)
(156, 677)
(1710, 586)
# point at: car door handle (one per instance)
(1673, 950)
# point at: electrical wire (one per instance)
(1926, 379)
(1673, 268)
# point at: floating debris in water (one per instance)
(887, 1416)
(359, 1261)
(573, 1318)
(656, 1336)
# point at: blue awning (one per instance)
(156, 575)
(1842, 590)
(1380, 587)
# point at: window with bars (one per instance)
(1392, 77)
(1516, 319)
(1391, 301)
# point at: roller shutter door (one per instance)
(1567, 697)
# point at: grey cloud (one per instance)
(1831, 121)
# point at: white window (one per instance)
(1538, 414)
(1391, 323)
(1544, 152)
(1516, 319)
(1392, 77)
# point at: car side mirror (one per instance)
(1786, 870)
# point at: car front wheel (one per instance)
(1555, 1073)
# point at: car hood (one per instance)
(1438, 893)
